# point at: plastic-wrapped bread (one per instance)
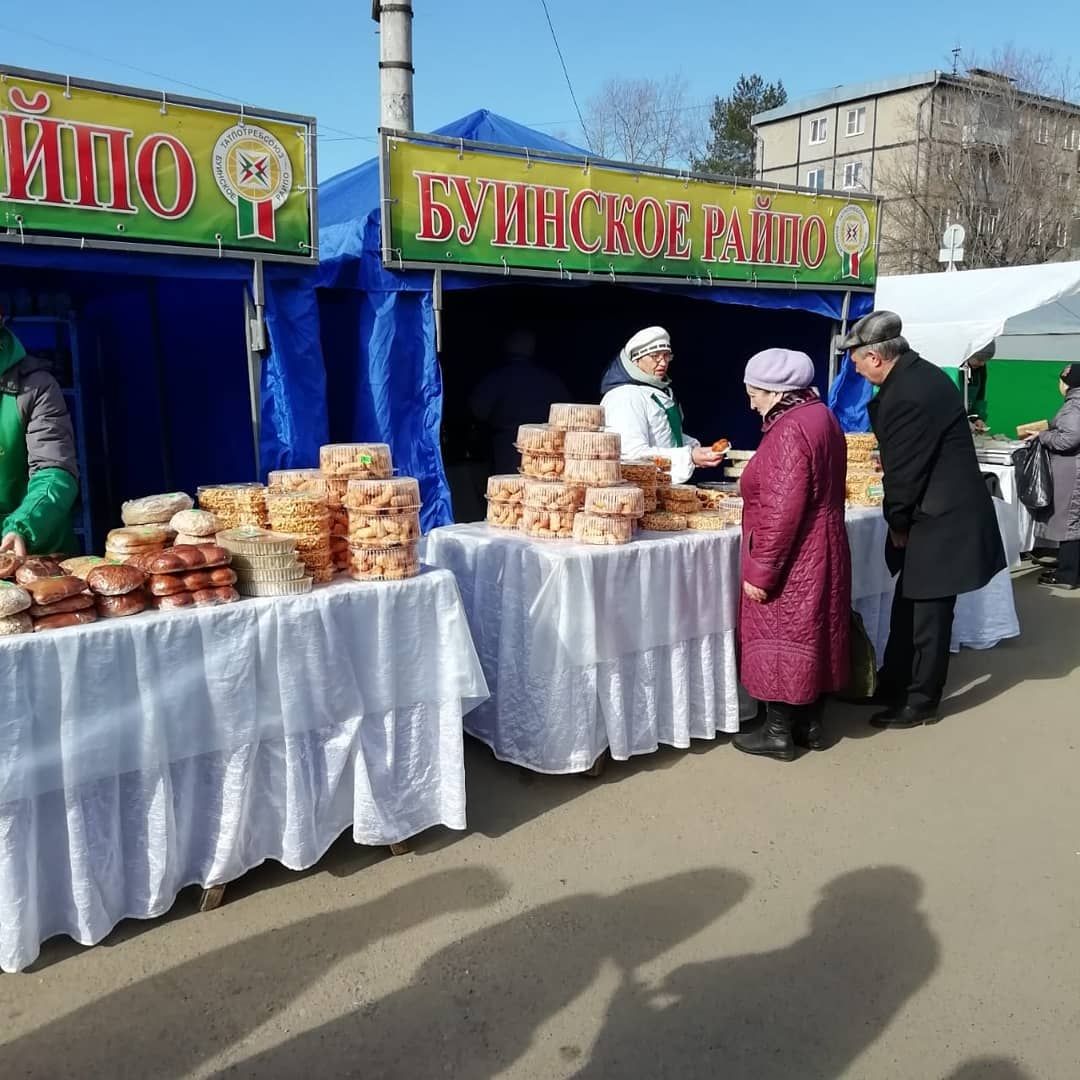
(200, 523)
(120, 607)
(62, 621)
(603, 529)
(115, 580)
(35, 568)
(384, 564)
(396, 495)
(364, 461)
(590, 473)
(19, 623)
(383, 530)
(508, 489)
(81, 565)
(663, 521)
(213, 597)
(604, 445)
(540, 438)
(172, 602)
(547, 524)
(14, 599)
(576, 417)
(504, 515)
(80, 602)
(626, 500)
(155, 509)
(46, 591)
(552, 495)
(542, 466)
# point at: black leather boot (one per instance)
(773, 738)
(808, 731)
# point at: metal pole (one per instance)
(834, 355)
(255, 339)
(437, 306)
(395, 63)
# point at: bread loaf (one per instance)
(194, 523)
(155, 509)
(212, 597)
(136, 538)
(19, 623)
(81, 565)
(81, 602)
(115, 580)
(13, 599)
(167, 584)
(172, 602)
(52, 590)
(118, 607)
(36, 568)
(68, 618)
(9, 563)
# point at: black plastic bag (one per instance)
(1033, 483)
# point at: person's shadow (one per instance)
(188, 1014)
(807, 1010)
(473, 1008)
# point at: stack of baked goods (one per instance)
(592, 458)
(15, 604)
(642, 473)
(384, 528)
(265, 563)
(610, 515)
(603, 529)
(505, 499)
(332, 490)
(118, 591)
(194, 527)
(58, 600)
(680, 499)
(305, 516)
(864, 487)
(723, 515)
(567, 417)
(356, 461)
(188, 576)
(156, 510)
(121, 544)
(235, 504)
(542, 451)
(714, 496)
(663, 521)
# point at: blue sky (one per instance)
(320, 57)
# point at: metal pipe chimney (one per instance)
(395, 63)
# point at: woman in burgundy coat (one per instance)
(795, 608)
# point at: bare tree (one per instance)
(644, 121)
(996, 151)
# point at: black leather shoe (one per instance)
(1051, 581)
(808, 731)
(773, 738)
(906, 716)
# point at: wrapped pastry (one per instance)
(604, 445)
(115, 580)
(603, 529)
(19, 623)
(663, 521)
(540, 438)
(383, 530)
(311, 481)
(576, 417)
(680, 499)
(713, 496)
(213, 597)
(155, 509)
(136, 538)
(395, 495)
(68, 618)
(552, 495)
(120, 607)
(547, 524)
(193, 523)
(626, 500)
(172, 602)
(384, 564)
(542, 466)
(640, 471)
(35, 568)
(365, 461)
(14, 599)
(81, 565)
(506, 488)
(46, 591)
(589, 473)
(80, 602)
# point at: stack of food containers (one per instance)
(384, 528)
(642, 472)
(235, 505)
(266, 563)
(549, 508)
(305, 516)
(541, 449)
(505, 499)
(864, 486)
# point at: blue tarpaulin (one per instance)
(378, 330)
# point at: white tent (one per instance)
(1033, 312)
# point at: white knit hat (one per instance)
(650, 340)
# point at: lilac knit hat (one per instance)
(779, 369)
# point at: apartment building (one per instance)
(939, 148)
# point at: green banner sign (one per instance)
(456, 205)
(93, 164)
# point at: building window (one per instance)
(948, 110)
(819, 130)
(988, 220)
(856, 121)
(853, 175)
(815, 179)
(1062, 235)
(1072, 137)
(1042, 130)
(1065, 181)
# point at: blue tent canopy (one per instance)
(380, 324)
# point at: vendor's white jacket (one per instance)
(632, 411)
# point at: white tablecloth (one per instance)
(1019, 517)
(624, 648)
(141, 755)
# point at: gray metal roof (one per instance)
(837, 95)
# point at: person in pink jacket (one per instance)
(795, 608)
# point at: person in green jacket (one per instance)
(39, 472)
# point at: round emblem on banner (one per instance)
(254, 173)
(852, 237)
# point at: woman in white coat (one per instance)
(639, 405)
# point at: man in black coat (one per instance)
(943, 531)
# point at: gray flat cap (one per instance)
(873, 329)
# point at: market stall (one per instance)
(1030, 313)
